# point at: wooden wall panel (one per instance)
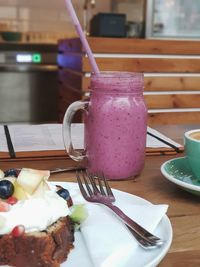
(164, 65)
(174, 118)
(162, 83)
(66, 97)
(69, 45)
(143, 46)
(178, 83)
(172, 101)
(179, 73)
(70, 79)
(71, 61)
(133, 46)
(85, 83)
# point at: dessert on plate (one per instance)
(35, 225)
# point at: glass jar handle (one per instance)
(67, 121)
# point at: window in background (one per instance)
(173, 19)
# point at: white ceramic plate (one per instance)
(79, 255)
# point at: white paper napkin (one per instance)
(108, 240)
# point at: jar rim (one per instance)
(117, 74)
(117, 81)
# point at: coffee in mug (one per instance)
(195, 135)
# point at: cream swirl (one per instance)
(36, 214)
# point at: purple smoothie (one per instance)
(115, 125)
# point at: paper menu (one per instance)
(3, 141)
(155, 143)
(43, 137)
(47, 139)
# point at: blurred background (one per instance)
(48, 20)
(30, 42)
(30, 31)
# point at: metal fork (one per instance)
(97, 190)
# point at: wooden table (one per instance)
(184, 208)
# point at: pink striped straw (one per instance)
(82, 36)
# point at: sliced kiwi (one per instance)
(78, 213)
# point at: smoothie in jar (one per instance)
(115, 125)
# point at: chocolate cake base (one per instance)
(48, 248)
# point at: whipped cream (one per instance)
(36, 214)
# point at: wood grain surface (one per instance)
(132, 46)
(176, 118)
(164, 65)
(158, 83)
(184, 208)
(144, 46)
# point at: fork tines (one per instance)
(95, 184)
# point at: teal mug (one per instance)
(192, 150)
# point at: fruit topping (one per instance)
(12, 179)
(11, 172)
(4, 207)
(19, 192)
(12, 200)
(41, 189)
(64, 193)
(18, 230)
(78, 213)
(1, 174)
(6, 189)
(30, 179)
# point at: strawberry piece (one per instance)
(12, 200)
(4, 206)
(70, 202)
(18, 230)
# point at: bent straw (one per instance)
(82, 36)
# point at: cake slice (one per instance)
(36, 230)
(47, 248)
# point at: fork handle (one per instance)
(140, 231)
